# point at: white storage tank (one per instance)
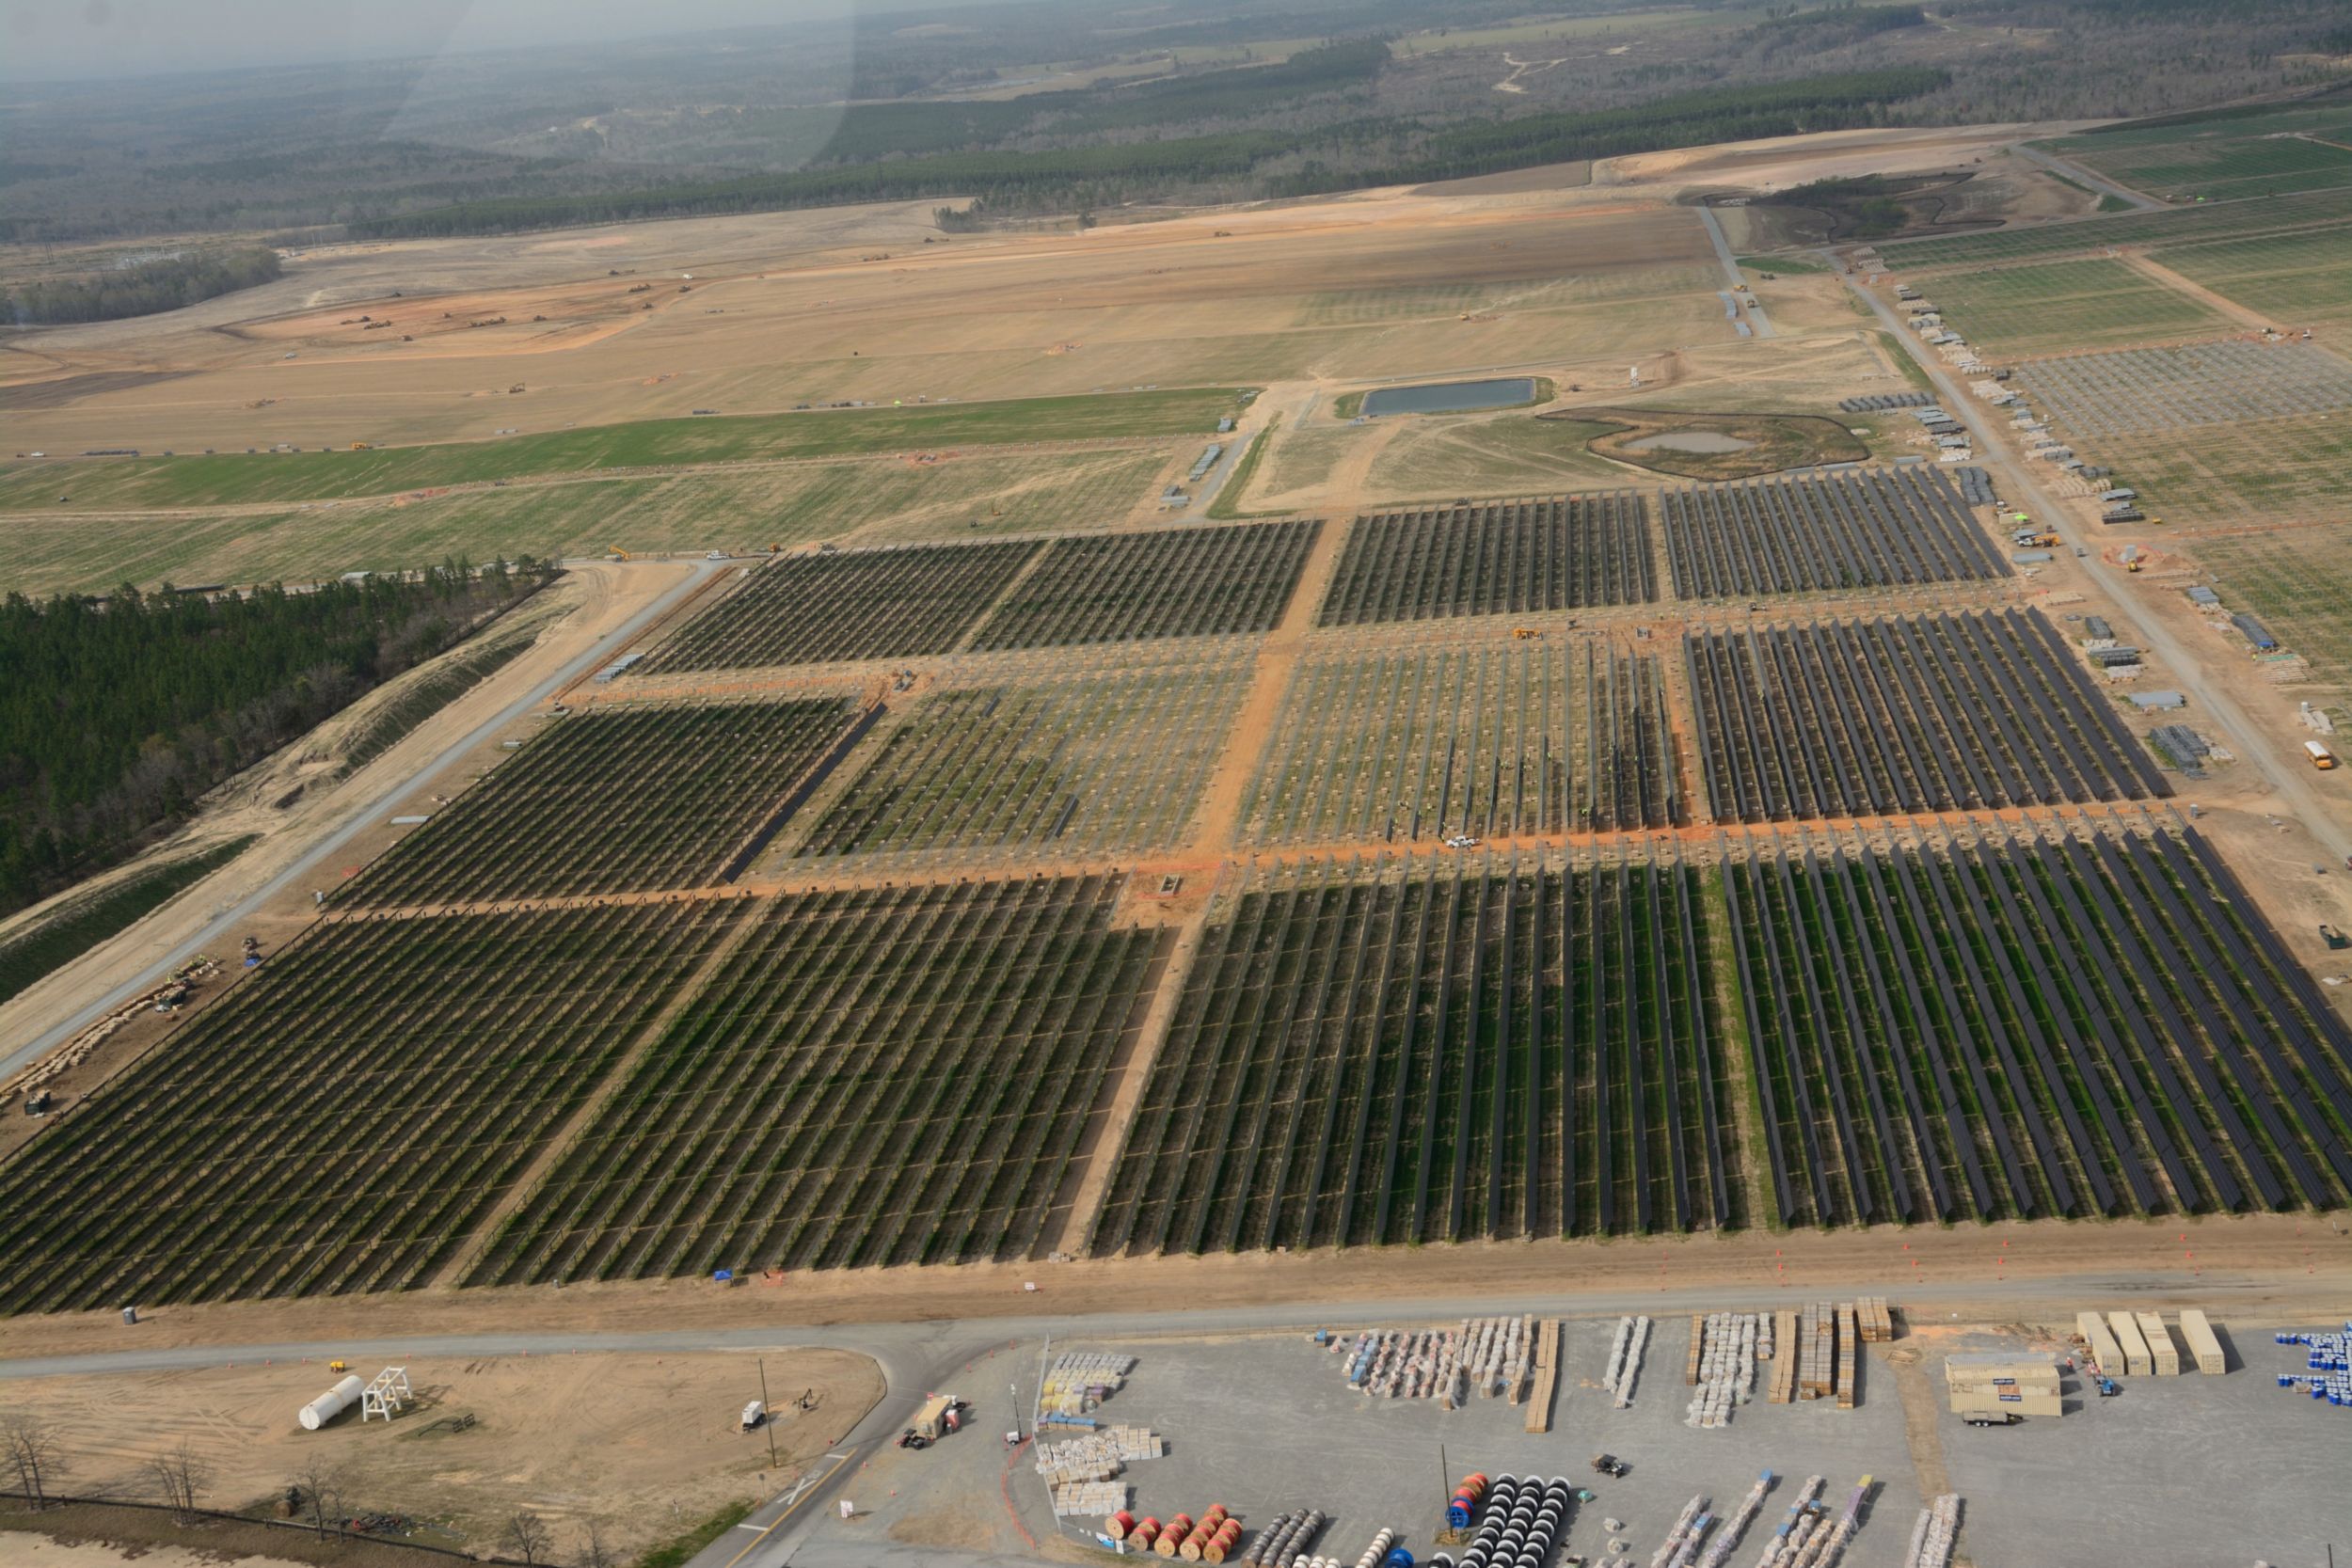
(330, 1404)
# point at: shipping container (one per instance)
(2163, 1355)
(2105, 1353)
(2203, 1344)
(2135, 1347)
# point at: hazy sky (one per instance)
(49, 40)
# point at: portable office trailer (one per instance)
(2135, 1347)
(2022, 1402)
(1973, 1368)
(1992, 1381)
(2104, 1353)
(2202, 1345)
(2162, 1354)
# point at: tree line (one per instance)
(165, 283)
(1235, 163)
(118, 713)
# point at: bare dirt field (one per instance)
(646, 1445)
(1244, 297)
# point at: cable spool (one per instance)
(1122, 1524)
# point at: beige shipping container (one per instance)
(2162, 1354)
(2135, 1347)
(1981, 1367)
(2104, 1353)
(2201, 1342)
(2025, 1401)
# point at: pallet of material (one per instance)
(1876, 1321)
(1698, 1336)
(1547, 1375)
(1783, 1388)
(2202, 1345)
(2163, 1358)
(1849, 1351)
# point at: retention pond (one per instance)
(1450, 397)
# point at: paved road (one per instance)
(224, 925)
(2067, 169)
(1731, 272)
(2215, 707)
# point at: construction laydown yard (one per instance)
(1033, 835)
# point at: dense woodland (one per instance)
(117, 714)
(1194, 103)
(140, 289)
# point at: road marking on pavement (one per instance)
(792, 1501)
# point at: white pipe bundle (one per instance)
(1626, 1368)
(1931, 1538)
(1675, 1533)
(1728, 1538)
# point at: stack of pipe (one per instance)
(1625, 1360)
(1932, 1537)
(1729, 1537)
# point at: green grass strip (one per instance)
(680, 1549)
(247, 478)
(80, 924)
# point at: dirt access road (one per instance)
(2286, 1263)
(2276, 756)
(613, 604)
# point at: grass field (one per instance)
(252, 479)
(1111, 756)
(2270, 470)
(2065, 305)
(2224, 160)
(1513, 454)
(2299, 583)
(2217, 220)
(880, 499)
(2298, 279)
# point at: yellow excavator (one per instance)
(616, 553)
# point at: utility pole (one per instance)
(767, 1416)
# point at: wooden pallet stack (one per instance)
(1783, 1387)
(1698, 1339)
(1817, 1372)
(1876, 1321)
(1547, 1375)
(1849, 1352)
